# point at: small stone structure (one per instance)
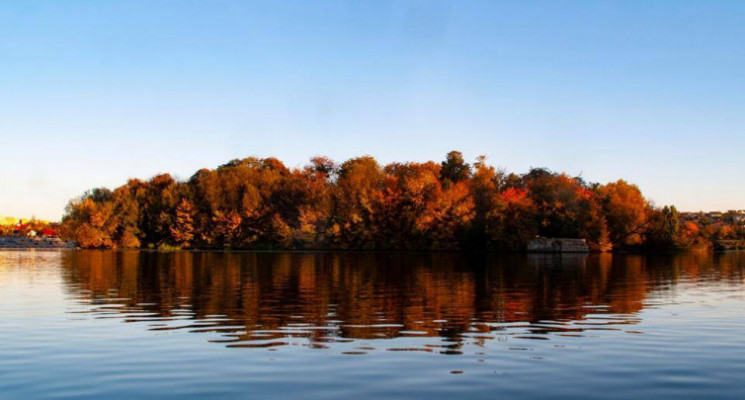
(558, 245)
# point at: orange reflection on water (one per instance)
(272, 299)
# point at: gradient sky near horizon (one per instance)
(95, 92)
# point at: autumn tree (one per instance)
(625, 210)
(90, 220)
(486, 186)
(513, 221)
(182, 229)
(359, 185)
(259, 203)
(566, 207)
(127, 205)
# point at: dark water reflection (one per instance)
(318, 299)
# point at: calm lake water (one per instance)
(101, 324)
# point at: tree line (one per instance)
(259, 203)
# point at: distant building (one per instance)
(688, 216)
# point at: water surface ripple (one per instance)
(107, 324)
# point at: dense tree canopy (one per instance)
(256, 203)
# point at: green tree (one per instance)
(664, 228)
(454, 169)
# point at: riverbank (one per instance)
(723, 245)
(22, 243)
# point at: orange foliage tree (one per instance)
(256, 203)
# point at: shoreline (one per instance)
(32, 243)
(71, 246)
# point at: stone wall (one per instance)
(558, 245)
(729, 245)
(34, 243)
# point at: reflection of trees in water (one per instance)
(325, 296)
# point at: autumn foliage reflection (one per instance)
(257, 299)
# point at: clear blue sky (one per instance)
(94, 92)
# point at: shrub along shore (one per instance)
(257, 203)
